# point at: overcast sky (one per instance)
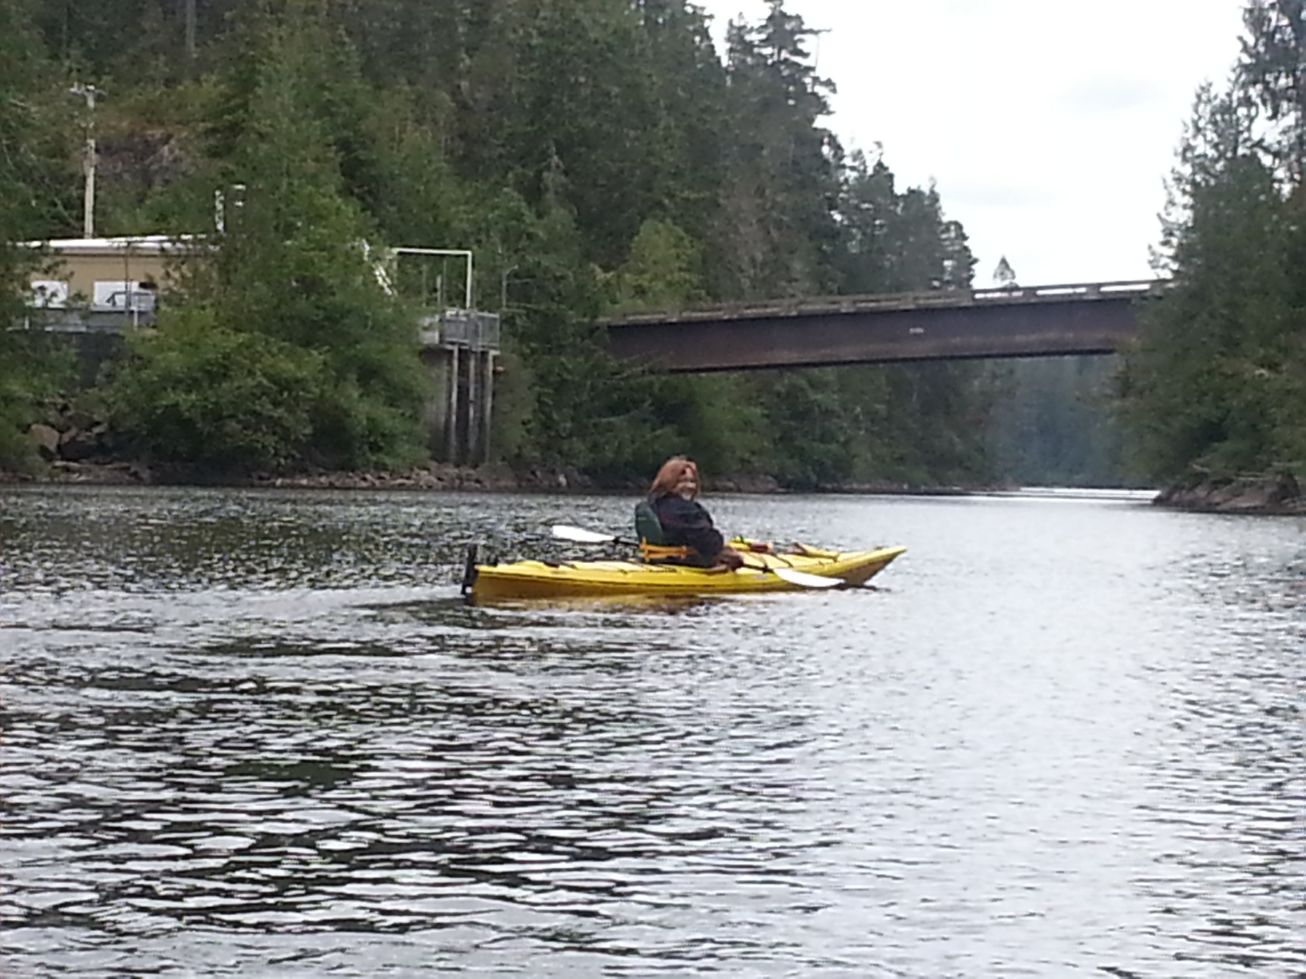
(1048, 126)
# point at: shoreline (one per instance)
(437, 476)
(1276, 496)
(1252, 496)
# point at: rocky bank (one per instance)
(1280, 495)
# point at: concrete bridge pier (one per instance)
(459, 355)
(477, 410)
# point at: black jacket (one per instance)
(685, 523)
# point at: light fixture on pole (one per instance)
(90, 93)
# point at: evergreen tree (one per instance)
(1217, 384)
(783, 167)
(689, 93)
(295, 269)
(663, 272)
(868, 212)
(1004, 276)
(35, 192)
(1273, 76)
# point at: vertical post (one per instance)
(451, 416)
(473, 405)
(129, 304)
(88, 202)
(89, 93)
(487, 403)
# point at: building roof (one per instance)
(140, 244)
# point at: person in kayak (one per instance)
(685, 523)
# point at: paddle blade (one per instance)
(580, 535)
(805, 580)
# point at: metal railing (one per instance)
(86, 319)
(461, 328)
(831, 305)
(453, 328)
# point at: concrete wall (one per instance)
(458, 415)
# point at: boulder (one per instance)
(77, 418)
(46, 438)
(77, 445)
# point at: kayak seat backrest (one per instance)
(648, 528)
(653, 546)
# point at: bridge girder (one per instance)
(1052, 321)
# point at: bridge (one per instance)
(1016, 321)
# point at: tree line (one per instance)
(598, 156)
(1218, 386)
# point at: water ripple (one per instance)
(255, 733)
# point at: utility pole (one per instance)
(90, 93)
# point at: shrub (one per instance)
(220, 400)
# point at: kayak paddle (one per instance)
(579, 535)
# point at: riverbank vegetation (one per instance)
(1216, 393)
(597, 156)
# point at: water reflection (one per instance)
(262, 734)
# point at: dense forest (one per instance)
(1218, 386)
(598, 156)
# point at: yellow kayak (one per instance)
(570, 579)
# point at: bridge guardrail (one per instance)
(1070, 289)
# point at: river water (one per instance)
(259, 734)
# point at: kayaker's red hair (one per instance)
(664, 483)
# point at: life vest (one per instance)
(652, 546)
